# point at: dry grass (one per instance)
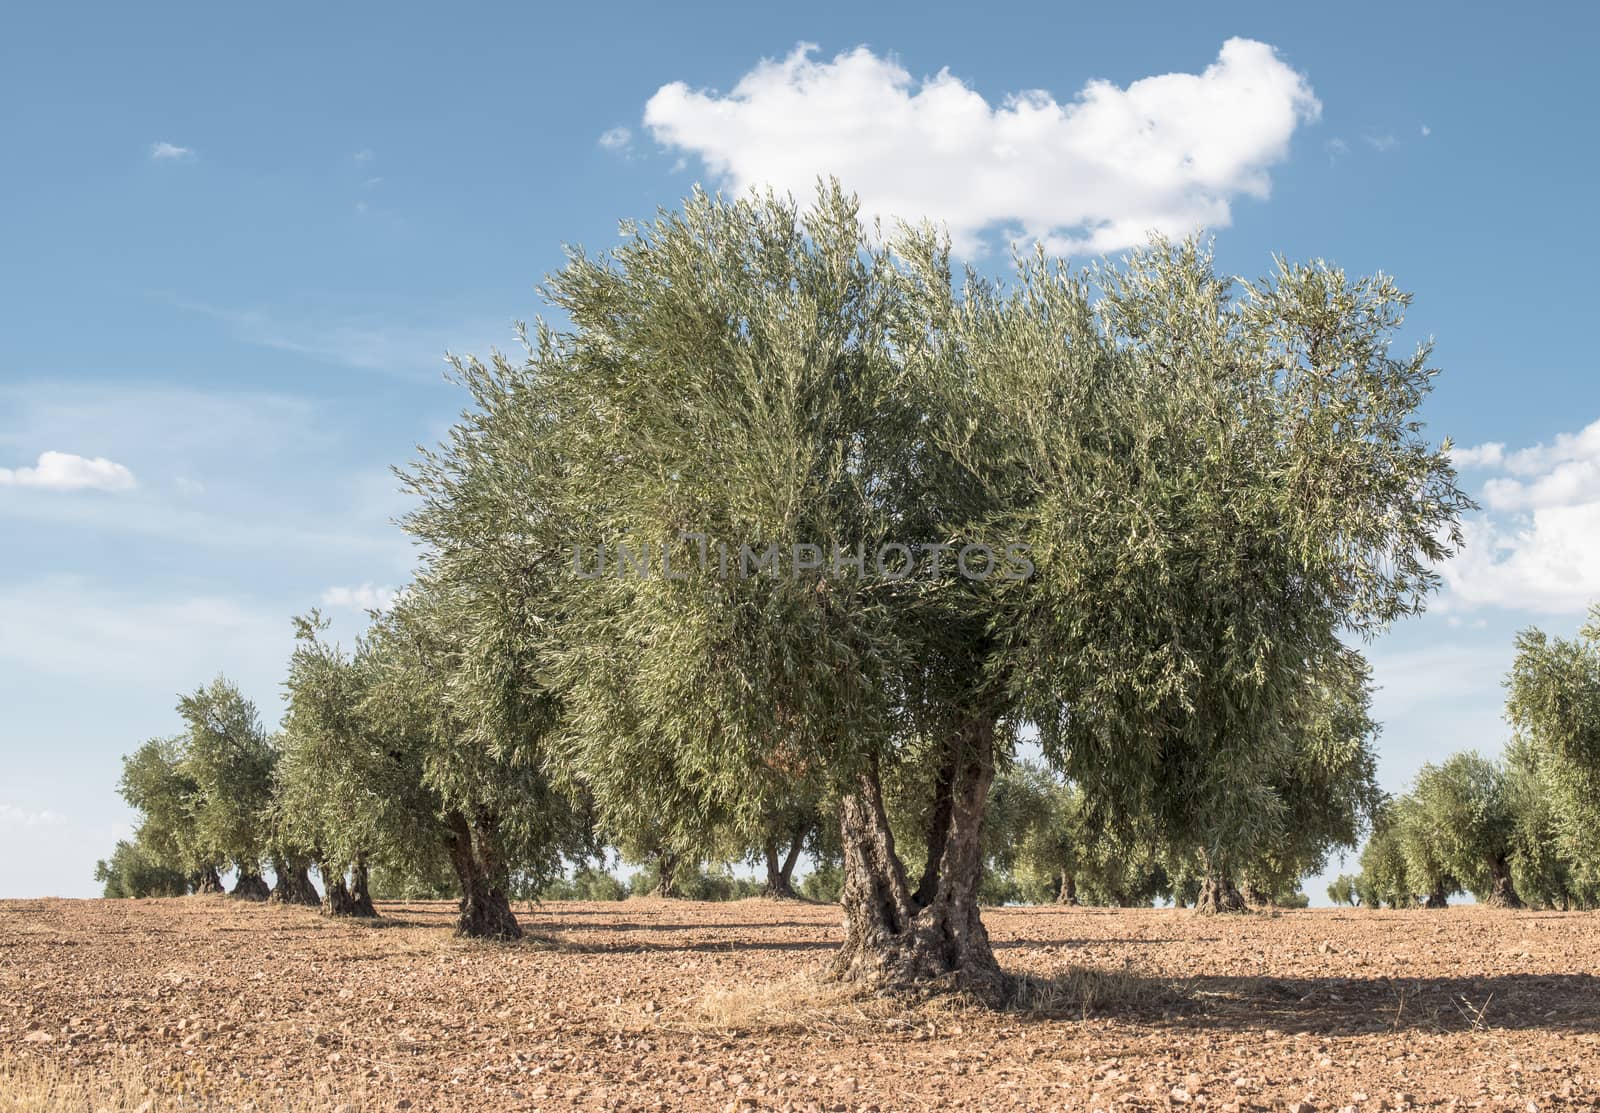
(809, 1002)
(122, 1086)
(1086, 991)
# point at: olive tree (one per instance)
(134, 871)
(1218, 481)
(340, 788)
(156, 785)
(1463, 812)
(1180, 494)
(1385, 877)
(1554, 706)
(229, 757)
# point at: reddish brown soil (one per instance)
(668, 1005)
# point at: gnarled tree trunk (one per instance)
(1068, 893)
(485, 910)
(1217, 890)
(250, 885)
(1502, 894)
(360, 896)
(206, 881)
(335, 893)
(893, 939)
(292, 884)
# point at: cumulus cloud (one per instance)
(1535, 547)
(1096, 173)
(1480, 456)
(62, 471)
(164, 151)
(366, 597)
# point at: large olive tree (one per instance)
(1177, 494)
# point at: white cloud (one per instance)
(1426, 131)
(616, 139)
(62, 471)
(1096, 173)
(1382, 142)
(1536, 547)
(1337, 148)
(366, 597)
(1481, 456)
(161, 151)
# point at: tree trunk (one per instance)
(1253, 895)
(1436, 899)
(1502, 893)
(293, 884)
(360, 897)
(1217, 891)
(485, 911)
(666, 873)
(894, 941)
(780, 874)
(206, 882)
(938, 830)
(250, 885)
(335, 894)
(1068, 893)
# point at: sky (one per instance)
(236, 243)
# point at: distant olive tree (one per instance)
(133, 871)
(1554, 706)
(1466, 812)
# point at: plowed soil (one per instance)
(673, 1005)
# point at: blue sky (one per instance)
(235, 244)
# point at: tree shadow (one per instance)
(728, 946)
(1319, 1006)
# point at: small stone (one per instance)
(39, 1036)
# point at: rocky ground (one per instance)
(668, 1005)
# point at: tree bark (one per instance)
(360, 896)
(1436, 899)
(1068, 893)
(1502, 894)
(893, 941)
(292, 884)
(485, 911)
(938, 830)
(249, 885)
(666, 873)
(206, 882)
(335, 894)
(1217, 891)
(1253, 895)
